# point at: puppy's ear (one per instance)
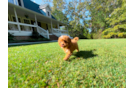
(59, 41)
(69, 42)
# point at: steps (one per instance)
(43, 32)
(53, 37)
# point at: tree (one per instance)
(117, 22)
(60, 16)
(100, 10)
(73, 13)
(107, 16)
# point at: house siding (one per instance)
(43, 25)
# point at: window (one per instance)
(27, 21)
(48, 13)
(14, 19)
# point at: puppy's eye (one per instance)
(65, 41)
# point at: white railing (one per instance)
(20, 33)
(58, 32)
(26, 29)
(14, 29)
(43, 32)
(10, 22)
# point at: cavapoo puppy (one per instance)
(68, 45)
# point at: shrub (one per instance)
(10, 36)
(35, 35)
(97, 35)
(105, 32)
(110, 35)
(89, 36)
(82, 36)
(122, 35)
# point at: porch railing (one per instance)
(58, 32)
(40, 30)
(18, 32)
(43, 32)
(10, 22)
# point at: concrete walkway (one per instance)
(26, 43)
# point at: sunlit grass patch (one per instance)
(100, 63)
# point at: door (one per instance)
(39, 24)
(47, 26)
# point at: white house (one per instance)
(25, 16)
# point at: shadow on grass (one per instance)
(84, 54)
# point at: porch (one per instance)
(22, 22)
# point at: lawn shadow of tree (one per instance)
(84, 54)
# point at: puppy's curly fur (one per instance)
(68, 45)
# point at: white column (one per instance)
(22, 3)
(51, 26)
(59, 30)
(47, 34)
(17, 19)
(14, 2)
(36, 23)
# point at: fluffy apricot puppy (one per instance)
(68, 45)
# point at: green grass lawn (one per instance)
(101, 63)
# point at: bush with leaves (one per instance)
(122, 35)
(35, 35)
(10, 36)
(117, 22)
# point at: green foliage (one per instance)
(89, 36)
(111, 35)
(97, 35)
(117, 22)
(59, 16)
(71, 13)
(107, 15)
(35, 35)
(10, 37)
(99, 10)
(122, 35)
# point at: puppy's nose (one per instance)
(62, 44)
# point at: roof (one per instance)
(34, 7)
(44, 6)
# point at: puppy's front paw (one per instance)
(67, 56)
(65, 59)
(77, 50)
